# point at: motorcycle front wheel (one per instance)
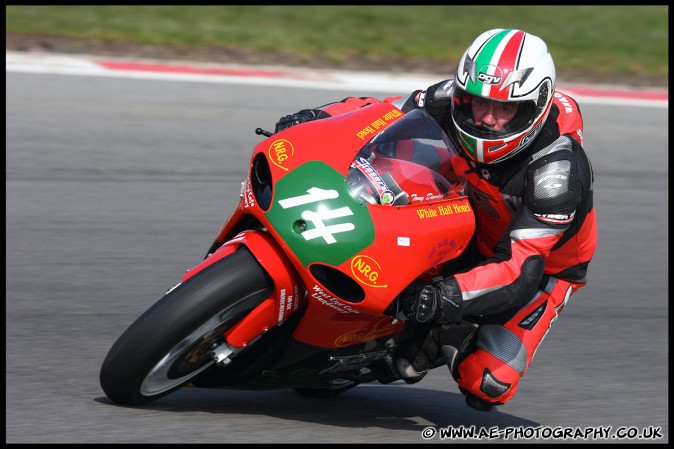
(171, 342)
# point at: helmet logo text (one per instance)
(485, 77)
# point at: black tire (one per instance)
(169, 344)
(327, 390)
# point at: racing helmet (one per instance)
(504, 66)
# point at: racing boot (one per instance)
(411, 362)
(457, 342)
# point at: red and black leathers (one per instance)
(535, 215)
(536, 234)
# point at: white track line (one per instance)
(85, 65)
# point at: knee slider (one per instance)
(493, 371)
(485, 377)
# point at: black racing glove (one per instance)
(305, 115)
(440, 302)
(436, 99)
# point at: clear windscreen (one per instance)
(409, 162)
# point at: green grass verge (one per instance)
(601, 39)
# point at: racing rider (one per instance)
(530, 183)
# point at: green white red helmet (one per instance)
(505, 66)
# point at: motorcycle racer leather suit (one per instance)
(536, 234)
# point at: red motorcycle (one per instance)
(300, 288)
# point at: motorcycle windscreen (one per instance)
(408, 163)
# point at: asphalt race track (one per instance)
(116, 186)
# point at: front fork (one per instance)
(287, 297)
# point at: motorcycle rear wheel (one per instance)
(170, 343)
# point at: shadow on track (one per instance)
(394, 406)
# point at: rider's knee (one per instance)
(485, 376)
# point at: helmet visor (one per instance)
(489, 119)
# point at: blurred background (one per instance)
(625, 45)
